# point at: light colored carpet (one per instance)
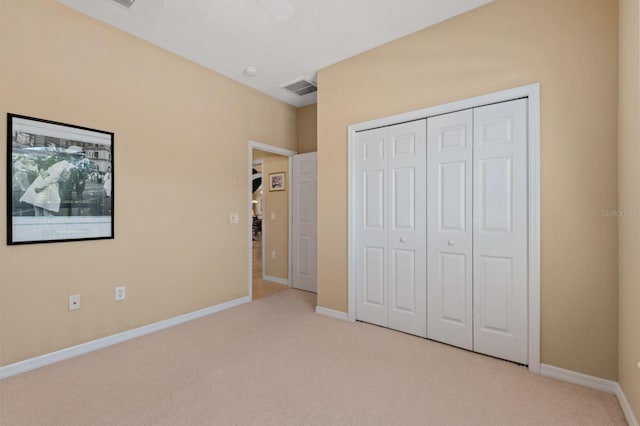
(276, 362)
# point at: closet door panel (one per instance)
(500, 231)
(449, 223)
(372, 254)
(373, 276)
(407, 232)
(391, 233)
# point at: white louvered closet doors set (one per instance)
(441, 228)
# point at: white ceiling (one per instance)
(227, 36)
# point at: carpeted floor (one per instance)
(275, 362)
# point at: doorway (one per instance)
(270, 213)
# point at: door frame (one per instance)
(253, 164)
(532, 92)
(274, 150)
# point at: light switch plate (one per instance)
(121, 293)
(74, 302)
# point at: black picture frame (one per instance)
(60, 182)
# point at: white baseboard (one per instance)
(331, 313)
(278, 280)
(592, 382)
(83, 348)
(626, 407)
(576, 378)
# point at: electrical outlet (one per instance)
(74, 302)
(121, 293)
(273, 254)
(273, 215)
(234, 217)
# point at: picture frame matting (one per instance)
(59, 182)
(277, 181)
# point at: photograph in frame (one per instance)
(277, 181)
(59, 182)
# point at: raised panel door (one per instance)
(500, 231)
(449, 191)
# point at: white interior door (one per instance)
(449, 227)
(304, 256)
(371, 240)
(391, 233)
(407, 236)
(476, 193)
(500, 231)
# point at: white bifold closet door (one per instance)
(477, 229)
(391, 227)
(500, 193)
(450, 231)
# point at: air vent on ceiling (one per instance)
(125, 3)
(301, 86)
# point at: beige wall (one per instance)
(629, 201)
(570, 48)
(308, 129)
(181, 140)
(275, 232)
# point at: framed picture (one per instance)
(59, 182)
(277, 181)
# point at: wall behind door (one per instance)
(570, 47)
(308, 129)
(275, 232)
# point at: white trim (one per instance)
(604, 385)
(626, 407)
(351, 226)
(274, 150)
(261, 164)
(331, 313)
(534, 182)
(290, 225)
(270, 148)
(532, 92)
(276, 279)
(83, 348)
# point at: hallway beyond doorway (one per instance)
(262, 288)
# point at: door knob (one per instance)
(451, 242)
(403, 240)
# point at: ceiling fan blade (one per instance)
(281, 10)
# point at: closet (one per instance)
(441, 228)
(391, 268)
